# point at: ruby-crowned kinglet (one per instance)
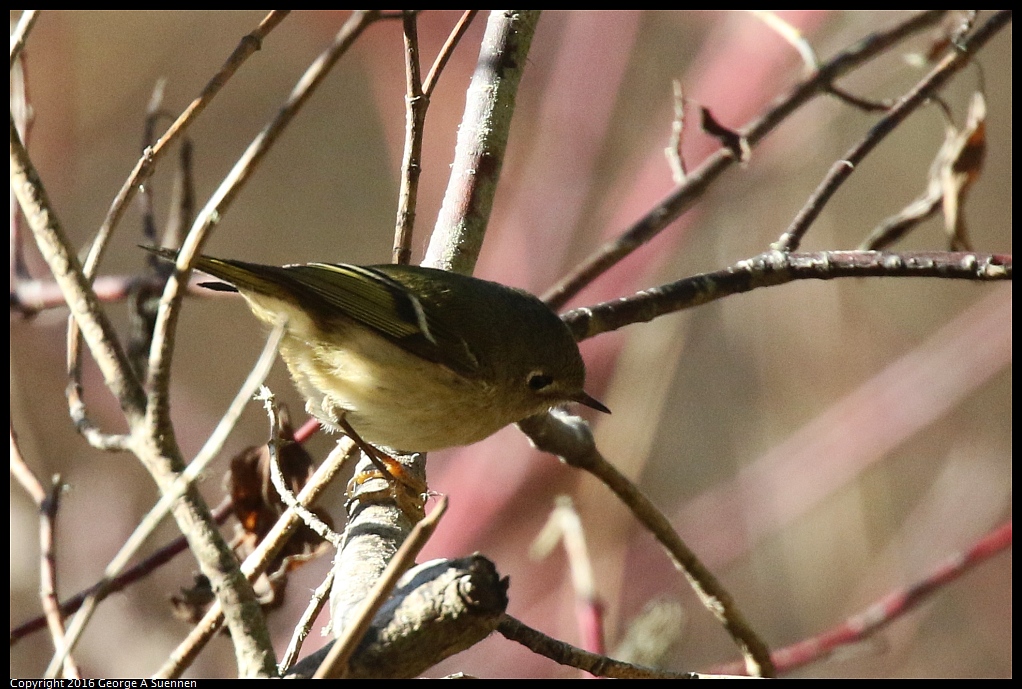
(414, 359)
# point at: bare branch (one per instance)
(248, 45)
(335, 665)
(570, 438)
(277, 476)
(777, 268)
(47, 502)
(253, 649)
(166, 325)
(842, 169)
(416, 104)
(564, 525)
(143, 169)
(482, 139)
(256, 563)
(952, 173)
(78, 293)
(21, 31)
(184, 482)
(566, 654)
(891, 607)
(23, 116)
(48, 575)
(698, 180)
(319, 599)
(129, 576)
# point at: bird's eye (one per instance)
(538, 381)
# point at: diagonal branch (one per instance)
(891, 607)
(252, 644)
(257, 562)
(571, 439)
(952, 63)
(698, 180)
(20, 33)
(209, 216)
(67, 271)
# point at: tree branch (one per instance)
(777, 268)
(921, 93)
(698, 180)
(482, 139)
(570, 438)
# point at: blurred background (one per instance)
(818, 444)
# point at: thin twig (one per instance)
(47, 502)
(920, 94)
(777, 268)
(248, 45)
(280, 483)
(76, 409)
(673, 151)
(335, 665)
(21, 111)
(685, 195)
(23, 473)
(564, 526)
(307, 429)
(20, 33)
(143, 169)
(571, 439)
(31, 297)
(252, 645)
(795, 38)
(153, 115)
(319, 598)
(566, 654)
(257, 562)
(159, 427)
(889, 608)
(48, 576)
(416, 104)
(129, 576)
(182, 198)
(143, 302)
(894, 227)
(210, 450)
(650, 637)
(447, 51)
(67, 271)
(166, 324)
(380, 524)
(953, 171)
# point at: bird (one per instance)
(412, 359)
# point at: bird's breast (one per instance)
(391, 397)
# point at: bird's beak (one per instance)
(584, 398)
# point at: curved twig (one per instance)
(20, 33)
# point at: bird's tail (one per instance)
(248, 277)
